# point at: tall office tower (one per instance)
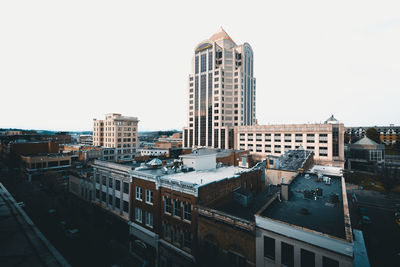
(222, 92)
(119, 132)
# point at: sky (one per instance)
(63, 63)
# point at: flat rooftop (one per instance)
(316, 213)
(293, 159)
(196, 178)
(247, 213)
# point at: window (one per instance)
(110, 200)
(148, 219)
(126, 206)
(97, 179)
(307, 258)
(167, 231)
(97, 193)
(177, 208)
(327, 262)
(118, 185)
(139, 193)
(287, 254)
(236, 259)
(269, 247)
(187, 239)
(126, 188)
(167, 205)
(110, 182)
(103, 196)
(149, 196)
(104, 180)
(187, 211)
(138, 215)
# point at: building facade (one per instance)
(119, 132)
(325, 140)
(221, 92)
(387, 134)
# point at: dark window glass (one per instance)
(210, 58)
(196, 64)
(126, 206)
(269, 247)
(236, 260)
(307, 258)
(327, 262)
(126, 188)
(203, 62)
(118, 185)
(287, 254)
(117, 203)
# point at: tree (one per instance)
(373, 134)
(346, 138)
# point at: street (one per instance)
(99, 242)
(382, 235)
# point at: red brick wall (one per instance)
(154, 209)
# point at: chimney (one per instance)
(285, 191)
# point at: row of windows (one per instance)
(280, 135)
(148, 217)
(110, 183)
(307, 258)
(117, 203)
(176, 208)
(177, 236)
(149, 195)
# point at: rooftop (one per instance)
(220, 153)
(221, 35)
(247, 213)
(319, 213)
(196, 178)
(293, 160)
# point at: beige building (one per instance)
(119, 132)
(325, 140)
(221, 92)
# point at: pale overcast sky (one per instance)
(63, 63)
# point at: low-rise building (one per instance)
(364, 153)
(80, 183)
(160, 198)
(307, 224)
(387, 134)
(284, 168)
(86, 139)
(154, 152)
(39, 163)
(326, 140)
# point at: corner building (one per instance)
(221, 92)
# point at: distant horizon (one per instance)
(66, 63)
(180, 130)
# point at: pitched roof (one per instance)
(221, 35)
(331, 119)
(366, 141)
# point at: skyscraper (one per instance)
(221, 92)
